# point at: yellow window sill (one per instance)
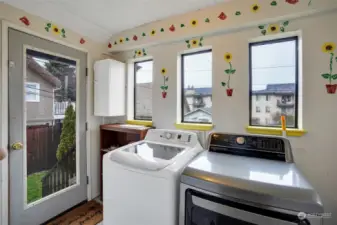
(275, 131)
(140, 122)
(194, 126)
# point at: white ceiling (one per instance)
(100, 19)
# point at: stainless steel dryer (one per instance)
(246, 180)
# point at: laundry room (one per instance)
(118, 124)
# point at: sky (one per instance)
(277, 67)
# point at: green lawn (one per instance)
(34, 186)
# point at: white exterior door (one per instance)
(47, 115)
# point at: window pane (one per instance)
(273, 82)
(143, 90)
(197, 87)
(50, 125)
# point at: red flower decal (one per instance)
(82, 41)
(25, 21)
(222, 16)
(293, 2)
(135, 38)
(172, 28)
(109, 45)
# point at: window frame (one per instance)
(37, 91)
(182, 85)
(274, 41)
(135, 85)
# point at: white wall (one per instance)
(315, 153)
(95, 50)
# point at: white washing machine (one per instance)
(141, 180)
(247, 180)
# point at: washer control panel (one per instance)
(187, 138)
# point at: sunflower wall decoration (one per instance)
(274, 28)
(228, 58)
(164, 87)
(55, 29)
(140, 53)
(195, 42)
(330, 48)
(255, 8)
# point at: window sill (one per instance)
(275, 131)
(140, 122)
(194, 126)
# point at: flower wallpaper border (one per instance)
(254, 8)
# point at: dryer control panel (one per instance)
(249, 145)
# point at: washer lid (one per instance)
(146, 156)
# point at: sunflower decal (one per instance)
(153, 32)
(194, 42)
(273, 28)
(121, 40)
(194, 23)
(228, 57)
(255, 8)
(329, 48)
(164, 87)
(139, 53)
(231, 71)
(55, 30)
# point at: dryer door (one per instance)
(205, 209)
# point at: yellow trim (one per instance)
(192, 126)
(140, 122)
(275, 131)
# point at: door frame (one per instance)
(5, 25)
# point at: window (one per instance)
(274, 73)
(32, 92)
(143, 72)
(196, 83)
(267, 98)
(258, 109)
(267, 109)
(257, 97)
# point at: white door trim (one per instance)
(5, 25)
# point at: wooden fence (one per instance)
(62, 175)
(42, 143)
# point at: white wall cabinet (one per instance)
(109, 88)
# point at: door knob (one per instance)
(17, 146)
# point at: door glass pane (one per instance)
(50, 94)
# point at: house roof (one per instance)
(47, 76)
(287, 88)
(202, 91)
(205, 110)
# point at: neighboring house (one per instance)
(40, 86)
(276, 99)
(198, 105)
(144, 101)
(203, 115)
